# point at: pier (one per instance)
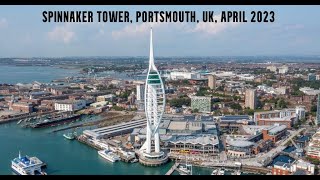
(173, 168)
(24, 117)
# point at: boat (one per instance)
(221, 172)
(70, 136)
(134, 160)
(27, 166)
(185, 169)
(55, 122)
(238, 173)
(214, 172)
(19, 121)
(109, 155)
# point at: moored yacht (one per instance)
(109, 155)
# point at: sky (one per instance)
(296, 31)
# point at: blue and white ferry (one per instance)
(27, 165)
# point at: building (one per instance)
(298, 167)
(238, 146)
(154, 109)
(201, 103)
(281, 168)
(313, 149)
(283, 69)
(140, 91)
(21, 107)
(303, 166)
(212, 81)
(175, 75)
(286, 117)
(251, 98)
(69, 105)
(311, 77)
(194, 144)
(301, 112)
(233, 123)
(140, 88)
(108, 97)
(318, 111)
(274, 133)
(272, 68)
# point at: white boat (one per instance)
(186, 169)
(221, 172)
(214, 172)
(109, 155)
(27, 166)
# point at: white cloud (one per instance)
(135, 29)
(212, 28)
(3, 22)
(208, 28)
(62, 33)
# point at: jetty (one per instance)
(173, 168)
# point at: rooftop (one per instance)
(240, 143)
(196, 139)
(276, 129)
(178, 125)
(235, 118)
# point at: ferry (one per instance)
(27, 166)
(109, 155)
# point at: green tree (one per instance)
(235, 106)
(313, 108)
(249, 111)
(179, 102)
(282, 103)
(195, 110)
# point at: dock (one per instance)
(173, 168)
(25, 116)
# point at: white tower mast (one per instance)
(154, 103)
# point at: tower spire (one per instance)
(151, 59)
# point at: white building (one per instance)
(69, 105)
(246, 77)
(301, 112)
(283, 69)
(310, 91)
(272, 68)
(140, 91)
(175, 75)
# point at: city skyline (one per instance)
(25, 35)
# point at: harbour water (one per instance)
(28, 74)
(61, 155)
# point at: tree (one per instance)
(179, 102)
(310, 124)
(235, 106)
(313, 108)
(249, 111)
(282, 104)
(117, 108)
(195, 110)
